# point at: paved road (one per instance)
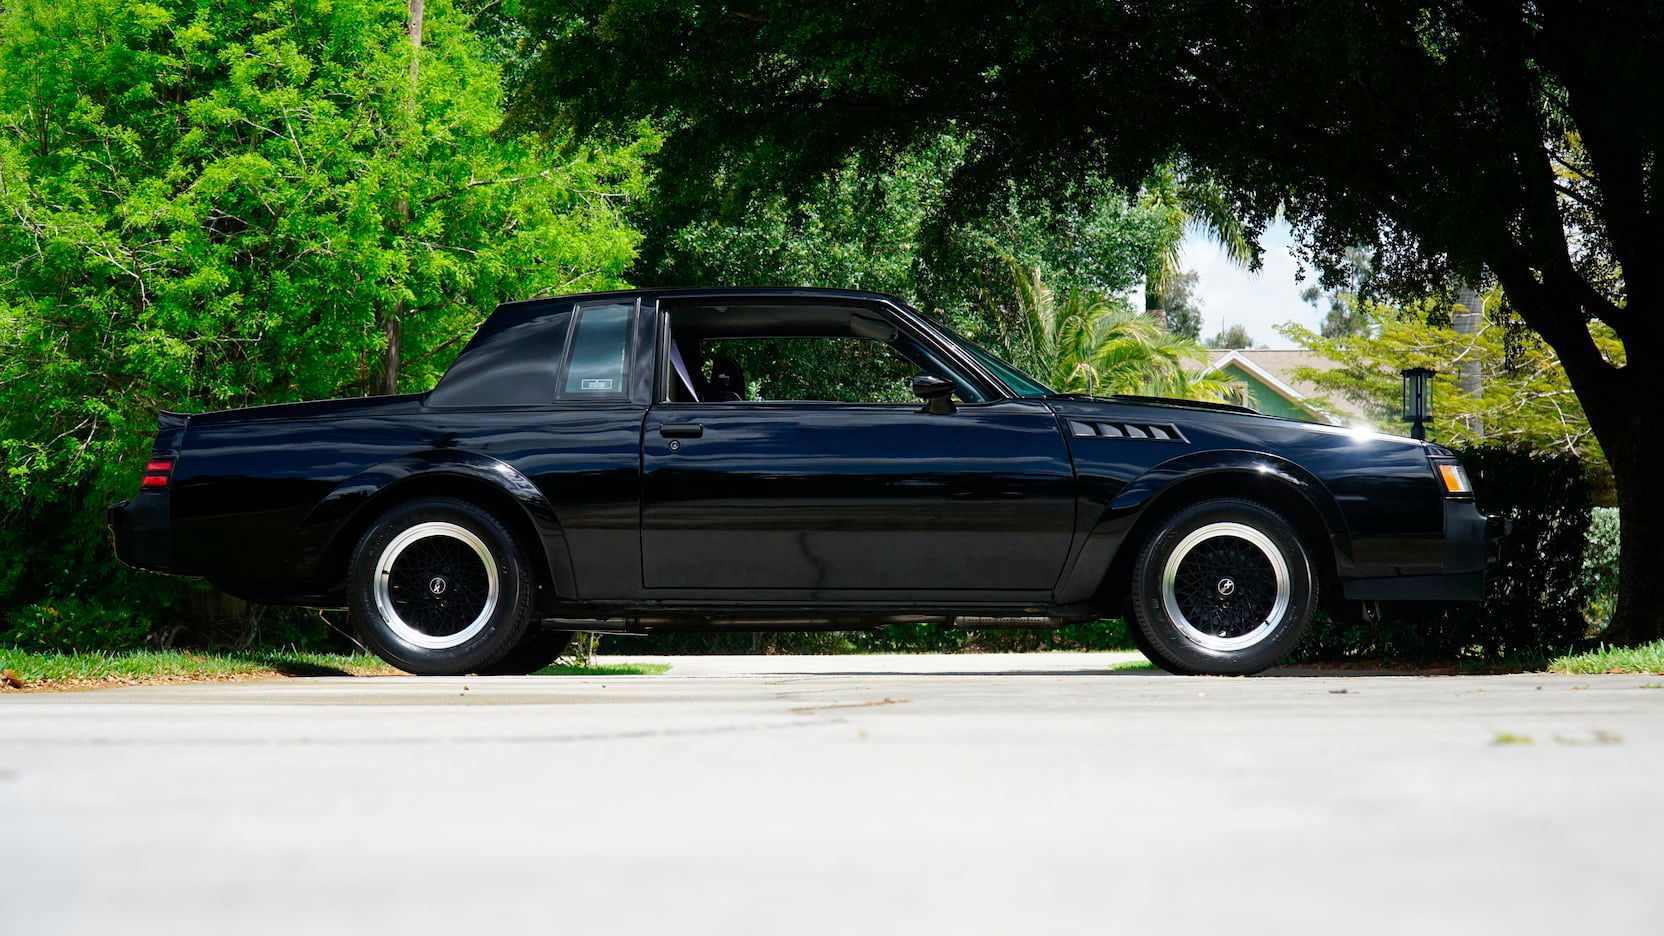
(1032, 794)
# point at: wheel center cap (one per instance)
(436, 586)
(1227, 587)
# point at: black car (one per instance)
(637, 461)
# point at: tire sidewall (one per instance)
(1178, 652)
(502, 632)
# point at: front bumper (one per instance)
(1473, 546)
(142, 530)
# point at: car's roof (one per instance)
(715, 292)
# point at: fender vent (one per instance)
(1157, 432)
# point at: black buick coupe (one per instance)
(638, 461)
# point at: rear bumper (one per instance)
(1473, 547)
(142, 530)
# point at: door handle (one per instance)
(682, 430)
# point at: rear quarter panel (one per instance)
(248, 491)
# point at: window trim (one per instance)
(622, 394)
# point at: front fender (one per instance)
(1119, 514)
(354, 501)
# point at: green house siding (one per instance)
(1267, 400)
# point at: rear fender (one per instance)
(332, 528)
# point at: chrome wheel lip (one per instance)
(401, 628)
(1279, 568)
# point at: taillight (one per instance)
(157, 473)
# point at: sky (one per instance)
(1260, 301)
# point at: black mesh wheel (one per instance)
(440, 587)
(1222, 587)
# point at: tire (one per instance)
(441, 588)
(1222, 588)
(539, 648)
(1140, 642)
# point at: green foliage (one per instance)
(1600, 565)
(74, 624)
(887, 228)
(1182, 306)
(215, 204)
(1232, 336)
(1535, 603)
(1187, 204)
(46, 668)
(934, 638)
(892, 638)
(1526, 400)
(1086, 342)
(1346, 315)
(1646, 658)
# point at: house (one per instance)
(1270, 376)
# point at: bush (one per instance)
(1534, 605)
(1600, 566)
(73, 624)
(893, 638)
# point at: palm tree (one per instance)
(1188, 202)
(1083, 342)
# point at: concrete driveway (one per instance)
(908, 794)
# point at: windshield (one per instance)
(1020, 383)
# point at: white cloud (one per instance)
(1259, 301)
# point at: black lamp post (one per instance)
(1418, 400)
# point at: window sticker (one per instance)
(597, 383)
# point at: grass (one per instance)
(1125, 665)
(606, 669)
(51, 670)
(1647, 658)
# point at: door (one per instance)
(855, 498)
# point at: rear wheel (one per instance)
(441, 588)
(1223, 587)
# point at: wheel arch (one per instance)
(1141, 506)
(334, 526)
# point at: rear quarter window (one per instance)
(598, 360)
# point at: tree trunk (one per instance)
(415, 24)
(1152, 305)
(388, 380)
(1633, 450)
(393, 327)
(1629, 429)
(1469, 317)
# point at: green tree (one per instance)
(1182, 305)
(1189, 204)
(886, 229)
(214, 204)
(1232, 336)
(1526, 401)
(1079, 341)
(1454, 140)
(1345, 314)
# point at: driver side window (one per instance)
(832, 370)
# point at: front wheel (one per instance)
(441, 588)
(1224, 587)
(539, 648)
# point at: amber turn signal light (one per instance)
(1454, 477)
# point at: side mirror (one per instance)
(936, 393)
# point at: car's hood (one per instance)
(1241, 418)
